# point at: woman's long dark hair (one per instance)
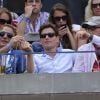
(65, 40)
(62, 8)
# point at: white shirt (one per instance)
(61, 63)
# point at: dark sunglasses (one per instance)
(96, 5)
(9, 35)
(31, 1)
(58, 18)
(50, 35)
(93, 27)
(3, 21)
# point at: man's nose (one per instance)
(5, 36)
(46, 36)
(34, 2)
(61, 20)
(98, 6)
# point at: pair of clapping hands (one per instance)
(18, 42)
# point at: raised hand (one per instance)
(15, 41)
(81, 37)
(28, 10)
(26, 46)
(62, 30)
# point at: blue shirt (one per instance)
(15, 62)
(61, 63)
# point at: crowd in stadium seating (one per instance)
(62, 47)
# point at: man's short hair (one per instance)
(49, 25)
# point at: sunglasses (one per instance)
(9, 35)
(50, 35)
(58, 18)
(96, 5)
(31, 1)
(3, 21)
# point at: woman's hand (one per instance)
(62, 30)
(81, 37)
(26, 46)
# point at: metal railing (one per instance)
(15, 62)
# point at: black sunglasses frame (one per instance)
(3, 21)
(95, 5)
(50, 35)
(9, 35)
(31, 1)
(58, 18)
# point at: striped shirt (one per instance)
(43, 18)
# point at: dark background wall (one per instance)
(76, 7)
(18, 5)
(15, 5)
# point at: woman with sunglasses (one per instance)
(60, 16)
(14, 62)
(92, 9)
(5, 17)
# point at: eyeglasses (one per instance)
(50, 35)
(3, 21)
(9, 35)
(31, 1)
(58, 18)
(96, 5)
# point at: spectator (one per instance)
(53, 59)
(90, 61)
(5, 35)
(60, 16)
(14, 63)
(92, 9)
(5, 17)
(33, 18)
